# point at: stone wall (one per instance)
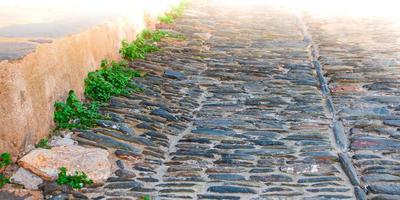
(31, 85)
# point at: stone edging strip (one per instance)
(341, 139)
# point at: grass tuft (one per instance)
(76, 181)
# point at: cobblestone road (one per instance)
(259, 104)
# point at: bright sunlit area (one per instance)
(26, 11)
(331, 8)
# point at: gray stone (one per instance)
(123, 185)
(218, 197)
(129, 138)
(26, 178)
(107, 141)
(174, 74)
(340, 136)
(117, 126)
(319, 179)
(123, 173)
(164, 114)
(385, 188)
(360, 193)
(392, 122)
(272, 178)
(216, 132)
(227, 177)
(62, 141)
(349, 169)
(230, 189)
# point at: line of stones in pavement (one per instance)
(337, 125)
(364, 86)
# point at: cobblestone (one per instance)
(362, 73)
(258, 104)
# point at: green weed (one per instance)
(5, 160)
(111, 80)
(137, 49)
(177, 11)
(166, 19)
(43, 143)
(3, 180)
(76, 181)
(75, 114)
(145, 43)
(146, 197)
(157, 35)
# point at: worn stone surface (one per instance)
(8, 192)
(361, 67)
(46, 162)
(237, 114)
(66, 140)
(256, 103)
(26, 178)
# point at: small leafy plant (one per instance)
(137, 49)
(75, 114)
(153, 35)
(157, 35)
(43, 143)
(112, 79)
(166, 19)
(169, 17)
(3, 180)
(145, 43)
(76, 181)
(5, 160)
(146, 197)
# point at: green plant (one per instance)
(75, 114)
(76, 181)
(112, 79)
(3, 180)
(43, 143)
(147, 197)
(145, 43)
(177, 11)
(137, 49)
(5, 160)
(157, 35)
(166, 19)
(153, 35)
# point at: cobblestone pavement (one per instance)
(259, 104)
(361, 65)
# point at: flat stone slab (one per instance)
(27, 179)
(46, 162)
